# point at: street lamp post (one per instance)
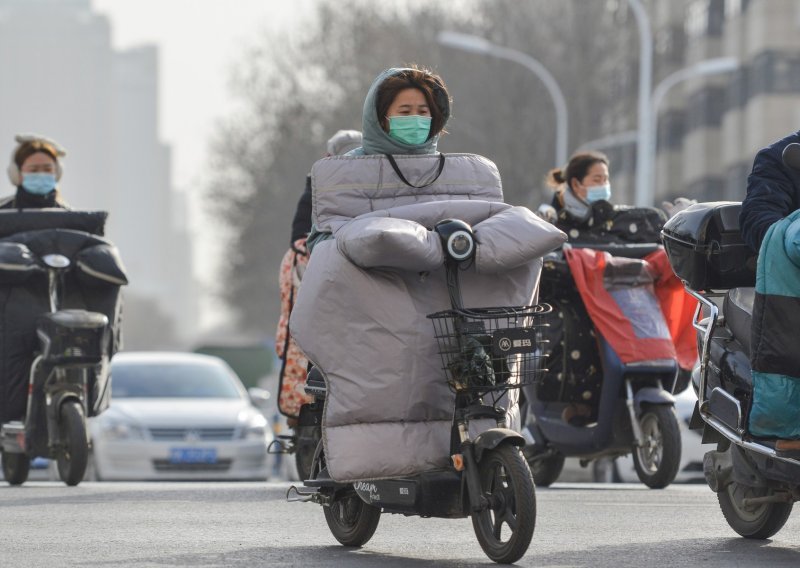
(476, 44)
(708, 67)
(645, 110)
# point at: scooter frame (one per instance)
(736, 434)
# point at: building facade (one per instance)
(711, 127)
(64, 79)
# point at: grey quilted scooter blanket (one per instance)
(361, 310)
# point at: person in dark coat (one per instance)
(773, 192)
(35, 170)
(340, 143)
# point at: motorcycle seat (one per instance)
(738, 310)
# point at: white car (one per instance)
(692, 452)
(178, 416)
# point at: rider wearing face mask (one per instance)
(581, 206)
(35, 170)
(405, 111)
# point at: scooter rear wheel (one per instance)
(16, 468)
(658, 460)
(505, 528)
(351, 521)
(757, 522)
(74, 453)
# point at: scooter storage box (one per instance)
(73, 337)
(705, 247)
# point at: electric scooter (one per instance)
(485, 352)
(631, 411)
(68, 377)
(755, 481)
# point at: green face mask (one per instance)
(412, 129)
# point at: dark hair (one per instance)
(28, 149)
(431, 86)
(578, 166)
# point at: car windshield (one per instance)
(173, 380)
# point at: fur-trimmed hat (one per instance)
(344, 141)
(29, 144)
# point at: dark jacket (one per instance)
(24, 200)
(611, 224)
(301, 224)
(773, 192)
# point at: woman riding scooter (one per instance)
(611, 354)
(302, 415)
(401, 231)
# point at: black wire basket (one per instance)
(488, 349)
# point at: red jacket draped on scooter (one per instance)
(621, 296)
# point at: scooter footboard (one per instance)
(431, 494)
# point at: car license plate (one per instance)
(193, 455)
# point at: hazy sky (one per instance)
(199, 41)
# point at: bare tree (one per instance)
(298, 90)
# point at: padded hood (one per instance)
(377, 141)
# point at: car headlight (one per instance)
(121, 431)
(255, 428)
(254, 433)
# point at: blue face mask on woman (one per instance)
(413, 129)
(38, 184)
(598, 193)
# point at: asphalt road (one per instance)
(46, 524)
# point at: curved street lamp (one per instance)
(476, 44)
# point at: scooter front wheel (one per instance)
(351, 521)
(505, 527)
(546, 469)
(658, 459)
(16, 468)
(73, 455)
(753, 521)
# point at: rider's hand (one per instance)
(680, 204)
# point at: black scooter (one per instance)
(68, 378)
(488, 480)
(633, 412)
(756, 484)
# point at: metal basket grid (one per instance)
(490, 349)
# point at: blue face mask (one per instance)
(39, 184)
(412, 129)
(598, 192)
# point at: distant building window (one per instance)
(706, 107)
(716, 17)
(733, 8)
(696, 18)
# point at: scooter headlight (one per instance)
(460, 245)
(457, 239)
(56, 260)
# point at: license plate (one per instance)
(193, 455)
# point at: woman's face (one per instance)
(38, 163)
(597, 175)
(408, 102)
